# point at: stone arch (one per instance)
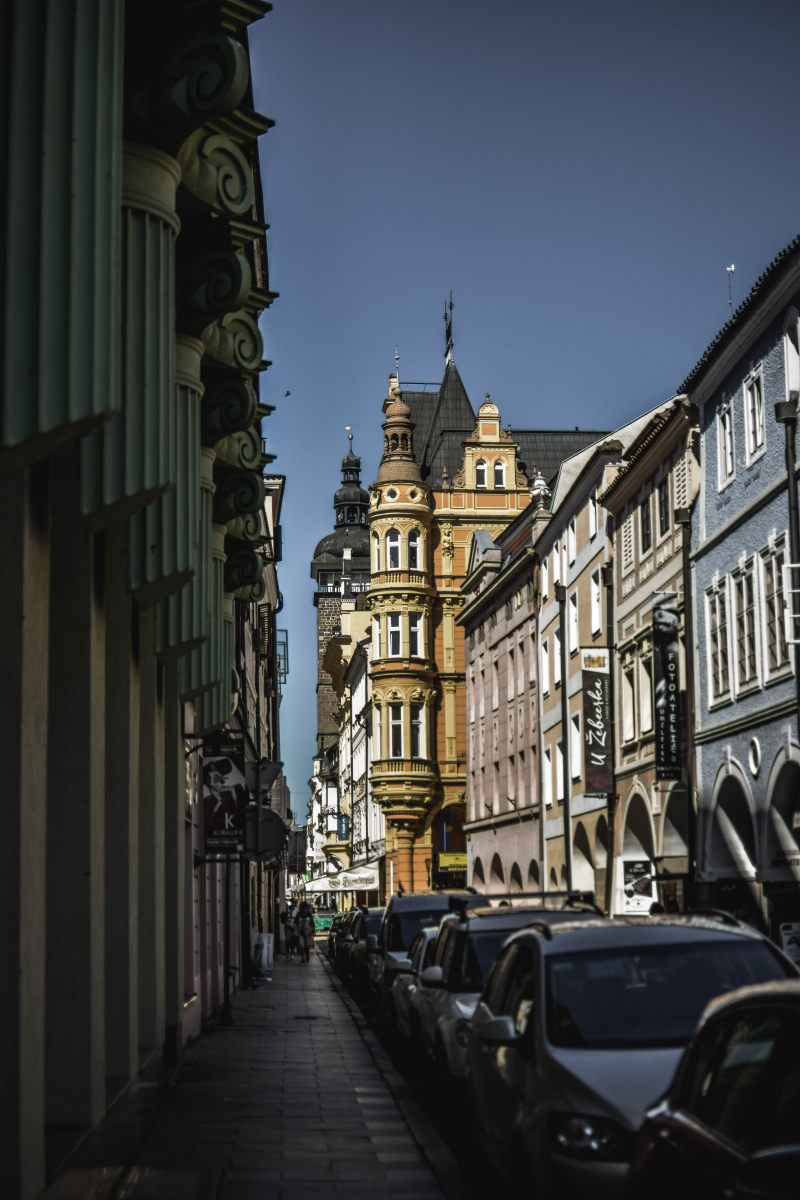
(478, 878)
(515, 879)
(553, 879)
(497, 879)
(674, 841)
(582, 865)
(780, 853)
(638, 840)
(533, 876)
(730, 843)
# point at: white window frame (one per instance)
(417, 730)
(746, 640)
(394, 635)
(754, 417)
(376, 636)
(596, 606)
(413, 550)
(575, 747)
(393, 549)
(572, 622)
(480, 474)
(572, 541)
(645, 694)
(773, 561)
(718, 647)
(556, 656)
(593, 526)
(499, 474)
(726, 449)
(545, 668)
(791, 352)
(646, 521)
(559, 769)
(547, 778)
(556, 563)
(544, 577)
(396, 728)
(628, 702)
(415, 642)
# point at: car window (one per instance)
(455, 939)
(394, 934)
(748, 1087)
(412, 922)
(427, 954)
(415, 950)
(478, 950)
(499, 980)
(522, 991)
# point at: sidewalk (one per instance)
(295, 1101)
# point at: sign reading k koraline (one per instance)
(225, 796)
(596, 721)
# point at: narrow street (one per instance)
(298, 1094)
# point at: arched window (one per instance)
(392, 550)
(499, 473)
(480, 474)
(413, 550)
(376, 544)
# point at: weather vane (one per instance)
(349, 429)
(730, 271)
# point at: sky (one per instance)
(578, 173)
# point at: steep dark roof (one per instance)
(546, 449)
(781, 262)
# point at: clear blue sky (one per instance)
(580, 173)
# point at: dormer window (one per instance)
(499, 473)
(480, 474)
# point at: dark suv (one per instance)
(405, 915)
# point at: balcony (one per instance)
(422, 767)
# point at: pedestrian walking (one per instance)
(305, 931)
(291, 930)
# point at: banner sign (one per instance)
(597, 748)
(666, 686)
(452, 861)
(225, 797)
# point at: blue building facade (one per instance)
(745, 724)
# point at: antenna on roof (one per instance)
(730, 271)
(448, 329)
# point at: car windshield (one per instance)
(646, 995)
(412, 922)
(372, 921)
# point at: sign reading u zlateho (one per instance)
(596, 721)
(666, 686)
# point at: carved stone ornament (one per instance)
(216, 172)
(235, 341)
(241, 449)
(228, 405)
(244, 568)
(214, 284)
(238, 492)
(248, 529)
(206, 76)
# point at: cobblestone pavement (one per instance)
(295, 1101)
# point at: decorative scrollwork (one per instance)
(205, 77)
(238, 492)
(241, 449)
(215, 283)
(217, 173)
(235, 341)
(243, 567)
(227, 406)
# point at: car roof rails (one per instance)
(459, 904)
(719, 913)
(542, 927)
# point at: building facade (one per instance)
(744, 537)
(132, 491)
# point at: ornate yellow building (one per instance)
(422, 517)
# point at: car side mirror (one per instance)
(432, 977)
(371, 943)
(498, 1031)
(401, 966)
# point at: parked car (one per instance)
(355, 965)
(467, 944)
(405, 915)
(406, 982)
(729, 1124)
(344, 938)
(333, 932)
(579, 1030)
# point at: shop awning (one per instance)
(355, 879)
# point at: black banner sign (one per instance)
(666, 686)
(597, 765)
(225, 796)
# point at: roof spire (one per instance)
(397, 362)
(349, 431)
(448, 329)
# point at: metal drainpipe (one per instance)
(561, 597)
(607, 572)
(786, 413)
(683, 518)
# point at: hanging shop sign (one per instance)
(666, 686)
(597, 764)
(225, 795)
(359, 879)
